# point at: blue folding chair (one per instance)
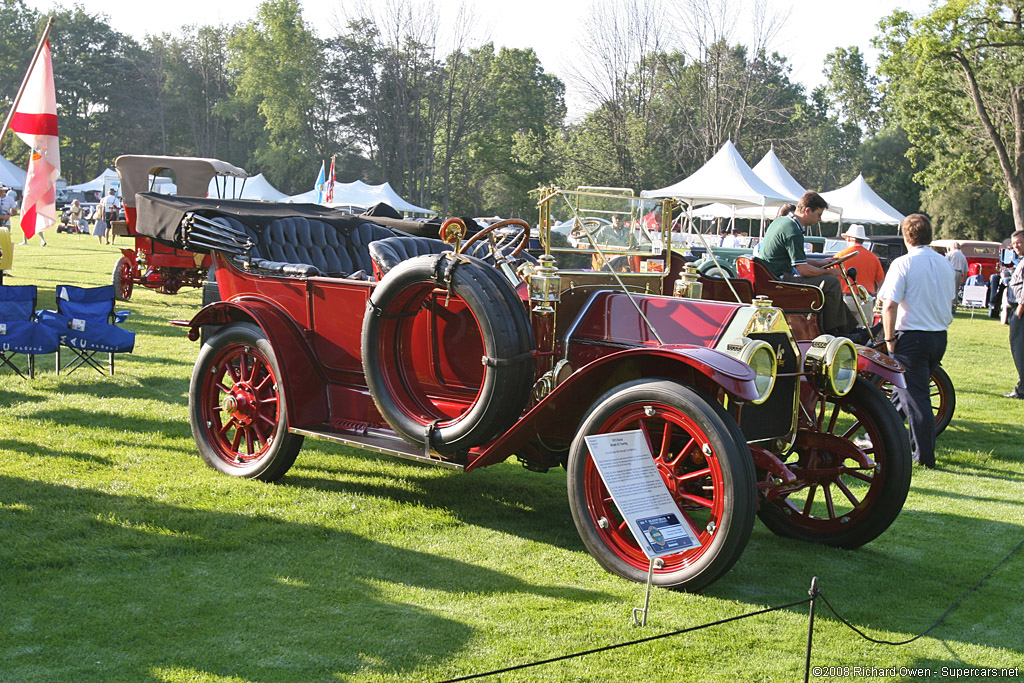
(19, 331)
(88, 325)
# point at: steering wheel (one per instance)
(589, 226)
(841, 259)
(523, 236)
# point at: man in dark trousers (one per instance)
(1015, 297)
(782, 249)
(915, 316)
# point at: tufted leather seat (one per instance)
(331, 251)
(308, 247)
(388, 253)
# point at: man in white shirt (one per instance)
(7, 205)
(109, 207)
(957, 259)
(915, 316)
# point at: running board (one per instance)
(379, 443)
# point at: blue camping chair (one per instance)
(87, 324)
(19, 331)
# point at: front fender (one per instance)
(559, 413)
(302, 381)
(874, 361)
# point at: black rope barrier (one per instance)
(940, 619)
(625, 644)
(814, 593)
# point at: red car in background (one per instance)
(983, 254)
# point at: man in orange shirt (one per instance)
(869, 269)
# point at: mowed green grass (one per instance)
(124, 558)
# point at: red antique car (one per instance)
(164, 267)
(464, 354)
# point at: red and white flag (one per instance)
(35, 122)
(329, 189)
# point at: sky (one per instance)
(553, 28)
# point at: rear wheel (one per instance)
(942, 395)
(703, 460)
(853, 466)
(238, 412)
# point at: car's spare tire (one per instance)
(394, 337)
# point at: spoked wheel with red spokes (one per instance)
(238, 412)
(122, 279)
(703, 460)
(852, 461)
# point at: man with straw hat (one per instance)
(870, 273)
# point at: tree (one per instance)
(852, 88)
(954, 80)
(277, 60)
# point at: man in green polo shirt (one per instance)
(782, 249)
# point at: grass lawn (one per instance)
(124, 558)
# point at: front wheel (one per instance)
(852, 461)
(122, 279)
(703, 460)
(238, 412)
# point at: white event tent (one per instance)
(96, 184)
(255, 187)
(11, 175)
(725, 178)
(860, 204)
(359, 194)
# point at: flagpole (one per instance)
(24, 81)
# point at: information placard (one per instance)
(627, 468)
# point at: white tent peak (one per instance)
(775, 175)
(256, 187)
(860, 204)
(359, 194)
(96, 184)
(725, 178)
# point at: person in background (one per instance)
(1015, 296)
(731, 239)
(782, 250)
(109, 207)
(7, 205)
(915, 316)
(957, 259)
(869, 269)
(99, 226)
(75, 215)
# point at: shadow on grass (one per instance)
(115, 422)
(125, 585)
(37, 450)
(527, 504)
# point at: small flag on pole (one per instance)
(319, 185)
(329, 193)
(34, 120)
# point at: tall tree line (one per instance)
(473, 128)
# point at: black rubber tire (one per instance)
(122, 289)
(277, 447)
(504, 328)
(883, 499)
(940, 381)
(657, 399)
